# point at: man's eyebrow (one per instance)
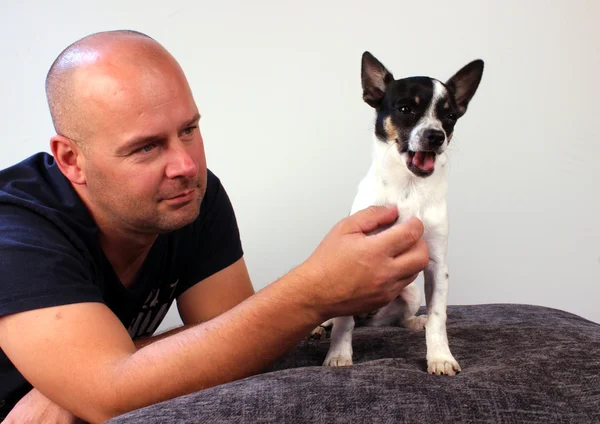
(149, 139)
(138, 141)
(192, 121)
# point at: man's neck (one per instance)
(125, 248)
(125, 252)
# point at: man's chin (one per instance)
(172, 220)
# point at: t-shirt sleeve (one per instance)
(39, 266)
(213, 242)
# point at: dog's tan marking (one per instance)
(446, 105)
(417, 100)
(389, 128)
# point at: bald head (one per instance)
(89, 73)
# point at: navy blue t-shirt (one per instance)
(50, 255)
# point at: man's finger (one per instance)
(371, 218)
(400, 237)
(412, 261)
(401, 284)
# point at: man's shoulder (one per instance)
(215, 197)
(213, 182)
(33, 180)
(35, 196)
(38, 184)
(32, 166)
(46, 248)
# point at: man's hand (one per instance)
(353, 271)
(35, 408)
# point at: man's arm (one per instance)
(81, 357)
(202, 302)
(208, 299)
(216, 294)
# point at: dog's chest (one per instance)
(415, 198)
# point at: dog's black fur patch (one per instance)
(401, 106)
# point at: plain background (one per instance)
(286, 130)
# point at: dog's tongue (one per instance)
(424, 160)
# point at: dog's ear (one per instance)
(375, 78)
(464, 84)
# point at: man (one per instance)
(97, 240)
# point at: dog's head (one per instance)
(417, 113)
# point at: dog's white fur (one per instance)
(389, 181)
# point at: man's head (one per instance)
(127, 132)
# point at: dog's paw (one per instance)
(416, 323)
(318, 333)
(443, 365)
(338, 361)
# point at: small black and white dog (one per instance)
(414, 124)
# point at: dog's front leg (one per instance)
(340, 350)
(439, 358)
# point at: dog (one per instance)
(414, 124)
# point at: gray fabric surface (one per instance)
(521, 364)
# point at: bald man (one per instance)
(98, 239)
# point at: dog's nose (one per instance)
(434, 137)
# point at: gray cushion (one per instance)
(521, 364)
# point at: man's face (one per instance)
(144, 164)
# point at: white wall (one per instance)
(286, 130)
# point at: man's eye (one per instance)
(147, 148)
(189, 130)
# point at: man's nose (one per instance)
(181, 164)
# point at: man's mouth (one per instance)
(182, 197)
(182, 194)
(421, 163)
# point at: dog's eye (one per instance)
(451, 116)
(405, 110)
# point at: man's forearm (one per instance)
(145, 341)
(35, 401)
(236, 344)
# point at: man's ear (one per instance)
(69, 158)
(464, 83)
(375, 78)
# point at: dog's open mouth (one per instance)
(421, 163)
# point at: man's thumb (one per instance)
(369, 219)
